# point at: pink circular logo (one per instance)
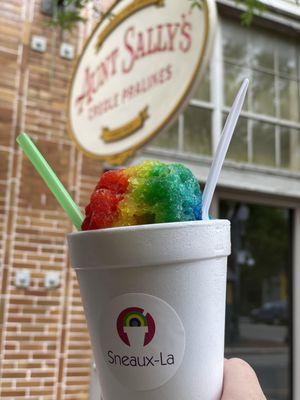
(135, 325)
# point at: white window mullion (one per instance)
(277, 109)
(202, 104)
(181, 132)
(277, 146)
(250, 140)
(250, 103)
(266, 118)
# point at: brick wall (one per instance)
(45, 350)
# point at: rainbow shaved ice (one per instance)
(149, 193)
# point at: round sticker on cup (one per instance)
(143, 340)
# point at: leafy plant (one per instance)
(252, 6)
(67, 13)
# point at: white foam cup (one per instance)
(154, 300)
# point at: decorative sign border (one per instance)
(110, 135)
(123, 15)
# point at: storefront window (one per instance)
(263, 92)
(289, 148)
(233, 78)
(270, 61)
(197, 134)
(167, 139)
(289, 99)
(238, 150)
(287, 59)
(203, 90)
(264, 147)
(268, 133)
(259, 295)
(262, 48)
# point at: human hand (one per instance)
(240, 382)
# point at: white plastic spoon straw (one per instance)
(220, 155)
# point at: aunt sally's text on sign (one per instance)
(136, 73)
(135, 46)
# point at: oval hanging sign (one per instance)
(136, 73)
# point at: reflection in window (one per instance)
(259, 293)
(262, 49)
(167, 139)
(197, 133)
(263, 144)
(290, 148)
(263, 88)
(238, 149)
(268, 130)
(203, 91)
(289, 99)
(233, 78)
(235, 43)
(196, 126)
(287, 58)
(270, 61)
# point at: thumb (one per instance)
(240, 381)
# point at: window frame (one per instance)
(218, 108)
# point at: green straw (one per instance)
(51, 180)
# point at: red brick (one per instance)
(10, 393)
(37, 322)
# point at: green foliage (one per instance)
(68, 13)
(66, 20)
(252, 6)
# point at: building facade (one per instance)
(259, 188)
(45, 350)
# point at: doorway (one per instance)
(259, 293)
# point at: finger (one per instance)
(240, 381)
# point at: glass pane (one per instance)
(290, 148)
(167, 139)
(263, 89)
(233, 78)
(287, 58)
(197, 130)
(289, 99)
(238, 149)
(262, 50)
(258, 326)
(234, 42)
(263, 143)
(203, 90)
